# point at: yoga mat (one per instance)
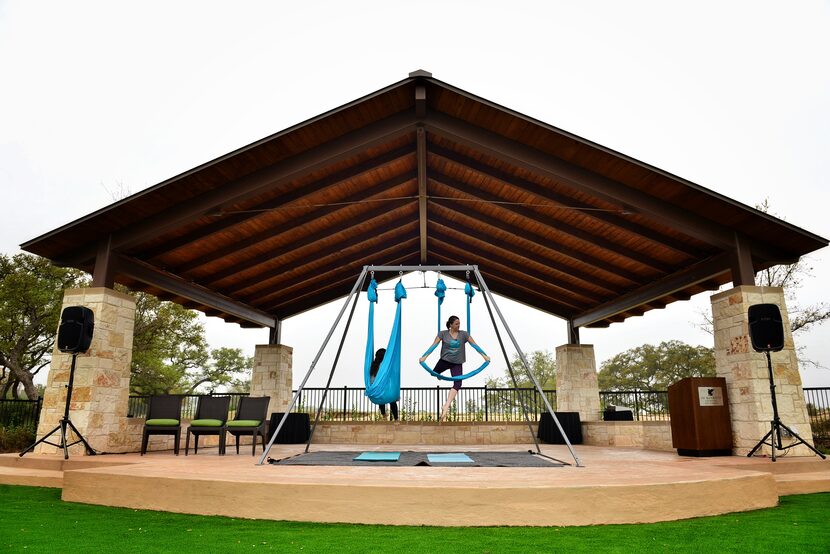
(378, 457)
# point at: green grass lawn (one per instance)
(36, 520)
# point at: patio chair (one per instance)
(164, 415)
(250, 420)
(211, 416)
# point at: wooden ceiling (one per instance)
(421, 172)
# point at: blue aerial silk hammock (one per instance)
(440, 292)
(386, 387)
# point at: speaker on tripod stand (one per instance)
(74, 337)
(766, 331)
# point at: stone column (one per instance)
(102, 376)
(577, 389)
(746, 373)
(271, 375)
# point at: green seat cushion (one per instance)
(162, 422)
(244, 423)
(206, 423)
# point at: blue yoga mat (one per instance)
(448, 458)
(378, 457)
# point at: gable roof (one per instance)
(423, 172)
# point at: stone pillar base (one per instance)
(577, 388)
(102, 376)
(747, 374)
(271, 375)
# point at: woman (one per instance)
(453, 355)
(373, 371)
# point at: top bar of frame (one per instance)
(421, 268)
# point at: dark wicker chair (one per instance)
(164, 417)
(250, 420)
(211, 417)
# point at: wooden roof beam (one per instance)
(560, 227)
(285, 171)
(581, 179)
(421, 140)
(154, 277)
(293, 195)
(583, 208)
(668, 285)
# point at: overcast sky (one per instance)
(103, 98)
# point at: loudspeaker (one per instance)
(75, 331)
(765, 328)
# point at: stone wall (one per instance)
(577, 389)
(746, 371)
(102, 376)
(650, 435)
(272, 375)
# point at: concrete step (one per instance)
(790, 465)
(31, 477)
(803, 483)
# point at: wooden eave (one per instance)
(423, 172)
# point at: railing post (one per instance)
(344, 401)
(637, 404)
(486, 415)
(437, 402)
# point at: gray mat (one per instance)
(480, 459)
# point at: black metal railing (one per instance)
(137, 406)
(646, 405)
(472, 404)
(818, 410)
(20, 413)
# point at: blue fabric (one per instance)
(431, 348)
(468, 290)
(450, 458)
(451, 378)
(440, 292)
(478, 349)
(386, 387)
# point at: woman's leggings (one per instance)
(455, 371)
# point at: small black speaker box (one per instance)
(75, 331)
(765, 328)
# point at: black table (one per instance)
(618, 415)
(296, 429)
(549, 432)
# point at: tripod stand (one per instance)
(64, 423)
(776, 425)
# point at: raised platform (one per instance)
(617, 486)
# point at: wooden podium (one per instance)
(700, 422)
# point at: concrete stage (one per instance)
(617, 485)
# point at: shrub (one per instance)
(16, 438)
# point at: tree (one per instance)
(790, 277)
(168, 344)
(225, 366)
(170, 352)
(31, 296)
(649, 367)
(542, 364)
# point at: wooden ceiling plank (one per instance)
(589, 182)
(154, 277)
(325, 234)
(474, 192)
(293, 195)
(334, 291)
(292, 224)
(668, 285)
(542, 242)
(282, 300)
(504, 286)
(518, 250)
(520, 278)
(582, 207)
(312, 275)
(285, 171)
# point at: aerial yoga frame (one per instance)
(386, 386)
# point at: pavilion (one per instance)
(421, 172)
